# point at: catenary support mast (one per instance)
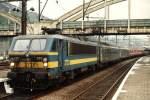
(24, 17)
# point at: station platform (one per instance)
(136, 84)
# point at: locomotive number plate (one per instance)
(30, 64)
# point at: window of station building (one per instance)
(38, 44)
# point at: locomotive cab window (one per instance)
(38, 44)
(28, 44)
(21, 45)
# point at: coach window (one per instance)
(76, 49)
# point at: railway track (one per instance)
(4, 67)
(108, 94)
(103, 89)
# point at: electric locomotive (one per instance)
(38, 61)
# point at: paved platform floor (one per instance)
(136, 84)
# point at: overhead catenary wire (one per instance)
(57, 2)
(60, 5)
(43, 7)
(87, 7)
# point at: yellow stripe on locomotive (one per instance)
(34, 53)
(50, 64)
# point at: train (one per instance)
(38, 61)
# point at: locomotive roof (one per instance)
(74, 40)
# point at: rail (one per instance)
(115, 85)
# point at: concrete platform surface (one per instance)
(136, 84)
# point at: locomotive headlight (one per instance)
(45, 64)
(12, 64)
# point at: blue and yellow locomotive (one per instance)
(40, 60)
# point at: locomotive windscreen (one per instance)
(28, 44)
